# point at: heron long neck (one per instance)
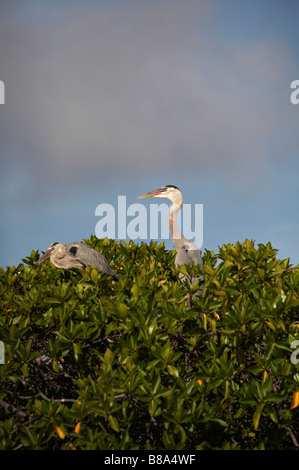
(58, 256)
(177, 238)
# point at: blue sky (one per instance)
(114, 98)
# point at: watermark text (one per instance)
(135, 222)
(295, 354)
(295, 94)
(2, 92)
(2, 353)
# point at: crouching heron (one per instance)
(77, 255)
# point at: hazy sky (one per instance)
(109, 98)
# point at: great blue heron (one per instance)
(186, 250)
(77, 255)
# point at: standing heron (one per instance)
(77, 255)
(186, 250)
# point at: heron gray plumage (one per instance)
(77, 255)
(186, 250)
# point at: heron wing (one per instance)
(192, 257)
(182, 257)
(195, 257)
(89, 256)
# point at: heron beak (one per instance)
(154, 193)
(48, 252)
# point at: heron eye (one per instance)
(73, 250)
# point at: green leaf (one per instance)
(173, 370)
(114, 423)
(257, 415)
(152, 407)
(77, 350)
(94, 276)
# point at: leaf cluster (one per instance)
(146, 363)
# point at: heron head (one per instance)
(53, 247)
(169, 192)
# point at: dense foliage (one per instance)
(144, 363)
